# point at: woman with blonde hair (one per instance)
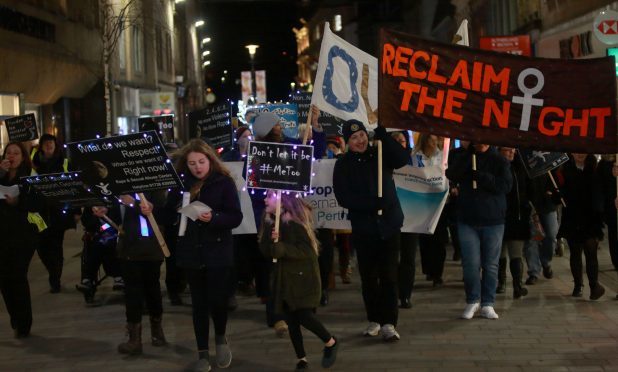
(296, 285)
(205, 250)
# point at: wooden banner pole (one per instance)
(556, 187)
(379, 173)
(155, 229)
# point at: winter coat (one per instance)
(355, 183)
(132, 244)
(19, 237)
(582, 218)
(518, 209)
(296, 279)
(208, 244)
(485, 205)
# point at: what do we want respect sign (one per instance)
(128, 164)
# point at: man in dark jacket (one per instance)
(376, 221)
(480, 222)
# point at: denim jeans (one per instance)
(540, 253)
(480, 253)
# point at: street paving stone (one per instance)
(546, 331)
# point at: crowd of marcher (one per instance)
(496, 217)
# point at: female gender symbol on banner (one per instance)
(327, 86)
(527, 101)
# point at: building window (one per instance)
(122, 52)
(337, 23)
(138, 49)
(159, 46)
(168, 51)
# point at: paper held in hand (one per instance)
(194, 210)
(11, 191)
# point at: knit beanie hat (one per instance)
(350, 127)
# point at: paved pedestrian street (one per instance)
(546, 331)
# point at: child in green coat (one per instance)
(296, 285)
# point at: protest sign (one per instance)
(497, 98)
(22, 128)
(330, 124)
(287, 113)
(422, 192)
(129, 164)
(279, 166)
(213, 125)
(66, 189)
(164, 125)
(346, 81)
(540, 162)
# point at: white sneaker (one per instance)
(470, 310)
(389, 333)
(488, 312)
(372, 330)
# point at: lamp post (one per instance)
(252, 48)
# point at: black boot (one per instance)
(156, 332)
(501, 276)
(517, 269)
(134, 345)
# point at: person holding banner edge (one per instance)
(376, 221)
(481, 214)
(204, 249)
(582, 220)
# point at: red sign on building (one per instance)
(518, 45)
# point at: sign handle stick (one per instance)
(473, 168)
(112, 223)
(379, 173)
(155, 229)
(616, 165)
(186, 199)
(308, 125)
(556, 187)
(278, 212)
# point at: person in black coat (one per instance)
(376, 221)
(141, 258)
(19, 239)
(48, 158)
(516, 225)
(582, 220)
(205, 250)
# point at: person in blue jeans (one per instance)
(481, 212)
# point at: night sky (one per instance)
(234, 24)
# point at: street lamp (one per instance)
(252, 48)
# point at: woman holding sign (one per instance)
(376, 221)
(297, 286)
(18, 240)
(205, 249)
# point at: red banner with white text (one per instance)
(497, 98)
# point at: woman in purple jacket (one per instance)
(205, 250)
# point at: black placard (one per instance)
(164, 125)
(213, 125)
(125, 164)
(22, 128)
(66, 189)
(279, 166)
(541, 162)
(330, 124)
